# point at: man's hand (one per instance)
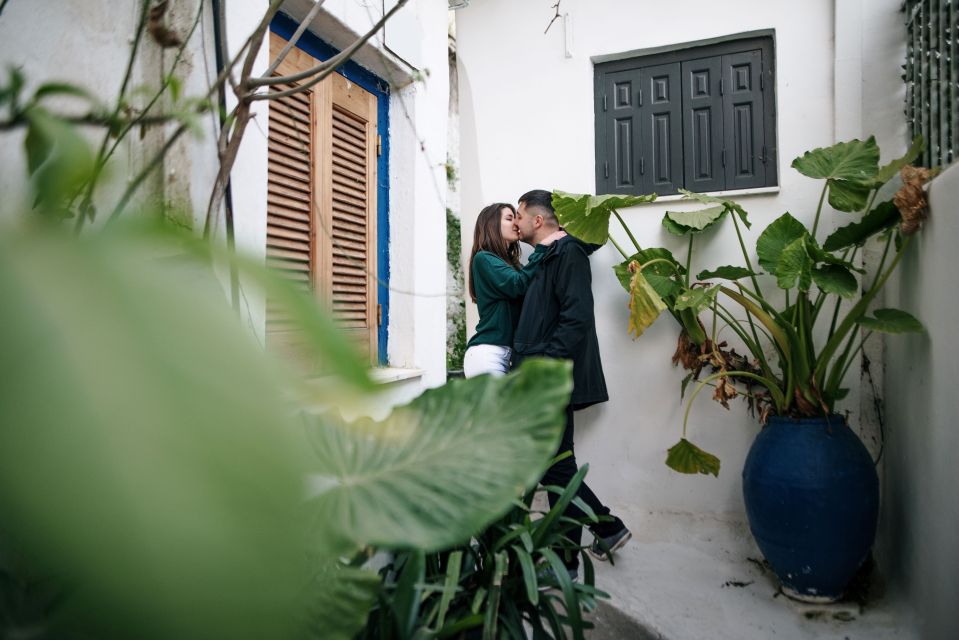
(553, 237)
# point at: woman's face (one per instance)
(507, 227)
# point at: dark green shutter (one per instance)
(743, 115)
(703, 125)
(661, 135)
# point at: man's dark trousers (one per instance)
(560, 474)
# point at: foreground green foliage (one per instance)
(790, 370)
(156, 481)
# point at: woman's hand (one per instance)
(553, 237)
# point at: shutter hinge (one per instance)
(379, 146)
(642, 166)
(606, 169)
(640, 97)
(604, 102)
(724, 156)
(763, 157)
(379, 315)
(720, 86)
(762, 81)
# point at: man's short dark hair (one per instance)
(541, 199)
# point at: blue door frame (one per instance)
(284, 26)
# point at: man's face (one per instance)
(524, 222)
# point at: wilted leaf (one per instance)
(777, 236)
(911, 198)
(587, 217)
(835, 279)
(661, 276)
(645, 305)
(685, 457)
(855, 160)
(726, 272)
(693, 221)
(891, 321)
(465, 449)
(880, 218)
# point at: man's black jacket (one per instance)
(557, 318)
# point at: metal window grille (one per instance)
(932, 77)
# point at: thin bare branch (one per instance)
(300, 30)
(323, 68)
(555, 17)
(255, 40)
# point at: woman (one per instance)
(497, 284)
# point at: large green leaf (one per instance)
(662, 276)
(731, 205)
(685, 457)
(891, 321)
(795, 266)
(883, 216)
(835, 279)
(777, 236)
(58, 159)
(848, 196)
(340, 599)
(693, 221)
(147, 454)
(726, 272)
(587, 217)
(441, 468)
(855, 160)
(645, 305)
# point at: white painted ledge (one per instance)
(736, 193)
(386, 375)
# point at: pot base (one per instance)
(808, 598)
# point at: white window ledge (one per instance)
(386, 375)
(735, 193)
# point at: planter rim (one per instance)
(831, 419)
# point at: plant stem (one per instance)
(689, 258)
(773, 389)
(742, 245)
(822, 197)
(618, 248)
(852, 357)
(628, 232)
(882, 261)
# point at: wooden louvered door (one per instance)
(321, 202)
(348, 206)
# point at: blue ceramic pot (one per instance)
(812, 498)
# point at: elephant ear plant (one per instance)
(800, 342)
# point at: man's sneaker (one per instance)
(603, 548)
(547, 578)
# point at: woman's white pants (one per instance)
(486, 358)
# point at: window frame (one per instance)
(685, 53)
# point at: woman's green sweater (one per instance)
(499, 295)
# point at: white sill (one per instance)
(386, 375)
(678, 197)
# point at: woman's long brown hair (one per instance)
(488, 237)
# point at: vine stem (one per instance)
(618, 248)
(689, 258)
(822, 197)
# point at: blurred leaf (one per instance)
(587, 217)
(777, 236)
(685, 457)
(835, 279)
(147, 457)
(10, 93)
(341, 598)
(855, 160)
(63, 89)
(726, 272)
(645, 305)
(465, 449)
(58, 159)
(693, 221)
(882, 217)
(891, 321)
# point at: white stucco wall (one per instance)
(920, 510)
(527, 122)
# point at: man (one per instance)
(557, 321)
